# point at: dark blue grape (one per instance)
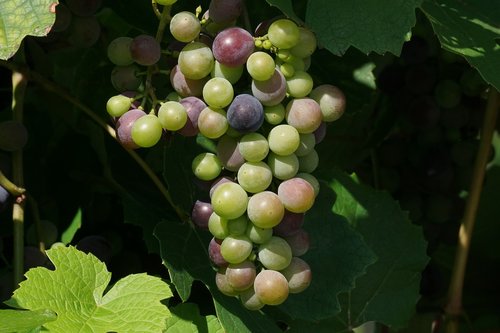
(4, 197)
(245, 114)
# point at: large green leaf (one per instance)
(185, 255)
(338, 255)
(186, 318)
(285, 6)
(74, 290)
(20, 18)
(24, 321)
(388, 292)
(469, 28)
(369, 25)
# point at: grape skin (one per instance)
(124, 78)
(304, 114)
(201, 213)
(196, 61)
(193, 106)
(145, 50)
(241, 276)
(186, 87)
(331, 101)
(296, 194)
(272, 91)
(233, 46)
(214, 253)
(225, 11)
(229, 153)
(124, 127)
(275, 254)
(245, 114)
(298, 275)
(254, 177)
(271, 287)
(185, 26)
(265, 209)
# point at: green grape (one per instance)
(218, 226)
(255, 177)
(275, 114)
(229, 200)
(283, 140)
(287, 70)
(172, 115)
(284, 34)
(306, 44)
(206, 166)
(298, 64)
(232, 74)
(260, 66)
(165, 2)
(119, 51)
(147, 131)
(253, 147)
(222, 283)
(250, 300)
(118, 105)
(283, 167)
(258, 235)
(308, 163)
(306, 145)
(236, 249)
(196, 60)
(218, 92)
(299, 85)
(271, 287)
(275, 254)
(265, 209)
(238, 226)
(212, 122)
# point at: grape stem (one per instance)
(56, 89)
(12, 188)
(453, 308)
(19, 83)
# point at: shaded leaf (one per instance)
(389, 291)
(74, 290)
(286, 7)
(469, 28)
(186, 318)
(21, 18)
(369, 25)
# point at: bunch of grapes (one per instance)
(253, 97)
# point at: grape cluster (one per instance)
(253, 97)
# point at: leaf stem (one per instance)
(19, 83)
(453, 307)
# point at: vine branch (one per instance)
(453, 308)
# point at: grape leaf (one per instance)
(186, 318)
(74, 290)
(338, 255)
(24, 321)
(286, 7)
(21, 18)
(388, 292)
(471, 29)
(369, 25)
(184, 253)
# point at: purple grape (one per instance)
(13, 135)
(290, 224)
(124, 127)
(186, 87)
(299, 242)
(145, 50)
(270, 92)
(214, 253)
(233, 46)
(245, 114)
(125, 78)
(201, 213)
(193, 106)
(225, 11)
(229, 153)
(320, 132)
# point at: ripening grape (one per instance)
(185, 26)
(265, 209)
(196, 60)
(119, 51)
(290, 224)
(147, 131)
(331, 101)
(125, 78)
(217, 182)
(299, 242)
(229, 154)
(275, 253)
(298, 275)
(306, 45)
(193, 106)
(320, 132)
(304, 114)
(214, 253)
(206, 166)
(233, 46)
(232, 74)
(283, 167)
(270, 92)
(253, 147)
(284, 33)
(296, 194)
(271, 287)
(241, 276)
(222, 284)
(186, 87)
(236, 249)
(306, 144)
(250, 300)
(283, 140)
(201, 213)
(245, 114)
(145, 50)
(212, 122)
(4, 197)
(311, 180)
(172, 115)
(124, 127)
(13, 135)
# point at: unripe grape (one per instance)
(265, 209)
(185, 26)
(206, 166)
(172, 115)
(331, 101)
(271, 287)
(298, 275)
(284, 34)
(275, 254)
(229, 200)
(236, 249)
(147, 131)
